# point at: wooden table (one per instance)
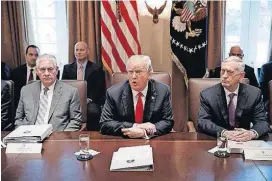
(177, 156)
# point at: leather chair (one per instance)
(163, 77)
(196, 85)
(270, 103)
(81, 85)
(9, 125)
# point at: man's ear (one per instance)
(242, 75)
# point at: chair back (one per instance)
(196, 85)
(163, 77)
(81, 85)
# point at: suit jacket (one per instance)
(64, 114)
(118, 111)
(19, 77)
(95, 77)
(213, 112)
(249, 73)
(6, 123)
(265, 77)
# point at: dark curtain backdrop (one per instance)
(14, 33)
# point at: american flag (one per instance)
(186, 13)
(119, 33)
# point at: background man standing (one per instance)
(92, 73)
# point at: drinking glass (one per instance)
(84, 140)
(222, 146)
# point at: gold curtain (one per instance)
(84, 25)
(216, 33)
(14, 33)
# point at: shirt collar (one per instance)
(144, 92)
(84, 64)
(28, 68)
(235, 92)
(51, 87)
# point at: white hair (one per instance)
(240, 64)
(141, 58)
(46, 56)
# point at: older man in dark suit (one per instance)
(83, 69)
(140, 107)
(49, 101)
(230, 107)
(265, 77)
(249, 71)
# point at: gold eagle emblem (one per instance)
(156, 12)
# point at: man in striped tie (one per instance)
(49, 101)
(139, 107)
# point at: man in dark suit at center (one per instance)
(93, 74)
(249, 71)
(230, 107)
(139, 107)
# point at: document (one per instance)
(238, 147)
(24, 148)
(29, 133)
(137, 158)
(258, 154)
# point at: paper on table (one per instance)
(24, 148)
(90, 151)
(213, 150)
(258, 154)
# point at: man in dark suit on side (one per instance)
(25, 73)
(265, 77)
(93, 74)
(230, 107)
(249, 71)
(139, 107)
(6, 122)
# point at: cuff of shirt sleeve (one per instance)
(256, 133)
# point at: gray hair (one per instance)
(46, 56)
(141, 58)
(240, 64)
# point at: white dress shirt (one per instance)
(135, 96)
(84, 67)
(28, 73)
(50, 93)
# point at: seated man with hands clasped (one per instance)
(49, 101)
(230, 106)
(139, 107)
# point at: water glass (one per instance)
(84, 140)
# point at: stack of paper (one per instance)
(238, 147)
(136, 158)
(29, 133)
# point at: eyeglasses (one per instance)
(43, 69)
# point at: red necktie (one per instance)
(139, 109)
(30, 75)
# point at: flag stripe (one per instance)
(113, 47)
(130, 25)
(120, 39)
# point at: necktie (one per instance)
(139, 109)
(80, 73)
(30, 75)
(231, 109)
(42, 107)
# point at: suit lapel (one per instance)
(24, 77)
(222, 102)
(150, 101)
(241, 102)
(74, 71)
(127, 102)
(55, 99)
(36, 100)
(88, 70)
